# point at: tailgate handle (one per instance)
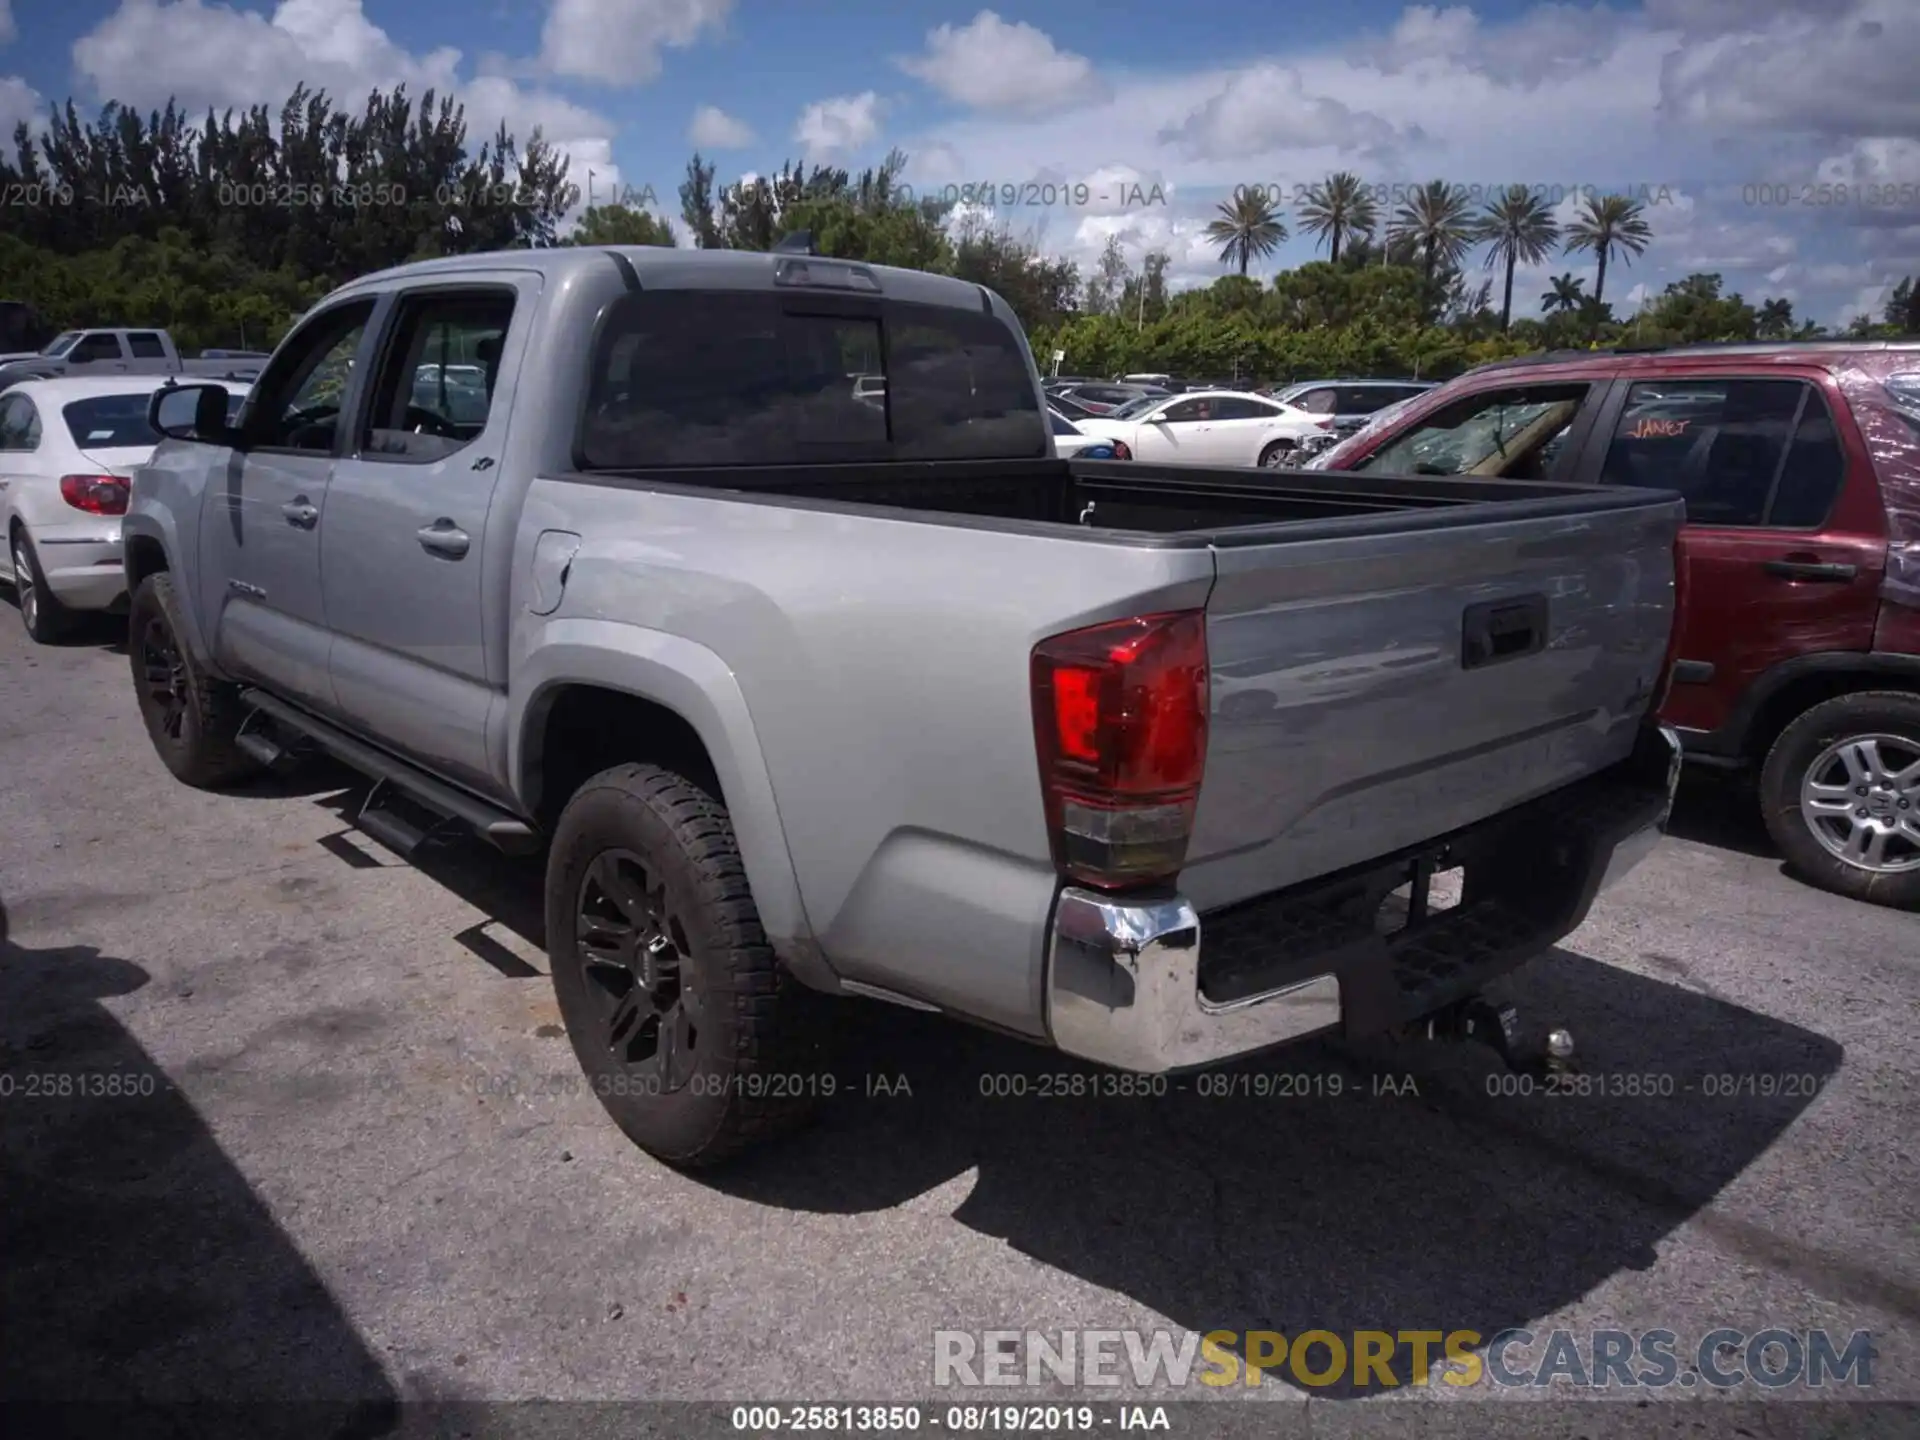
(1497, 630)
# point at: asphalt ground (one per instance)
(321, 1139)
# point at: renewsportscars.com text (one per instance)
(1771, 1359)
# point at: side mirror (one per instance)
(192, 412)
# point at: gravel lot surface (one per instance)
(357, 1162)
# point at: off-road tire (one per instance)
(202, 753)
(45, 618)
(1867, 712)
(757, 1061)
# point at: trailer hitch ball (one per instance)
(1560, 1052)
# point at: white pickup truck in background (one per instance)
(121, 352)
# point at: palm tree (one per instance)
(1569, 293)
(1519, 226)
(1336, 208)
(1249, 228)
(1776, 320)
(1437, 223)
(1609, 225)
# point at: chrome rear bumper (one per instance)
(1124, 985)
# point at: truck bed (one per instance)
(1153, 504)
(1350, 715)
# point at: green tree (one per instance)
(1902, 311)
(1518, 228)
(1776, 320)
(1108, 282)
(1438, 222)
(620, 225)
(1568, 295)
(1338, 208)
(1609, 225)
(697, 206)
(1248, 228)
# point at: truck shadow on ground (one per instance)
(1329, 1187)
(1381, 1186)
(142, 1271)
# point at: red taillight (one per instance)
(1325, 422)
(1120, 720)
(1120, 450)
(95, 494)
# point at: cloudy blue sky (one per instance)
(1711, 108)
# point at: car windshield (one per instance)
(1061, 424)
(1135, 408)
(61, 343)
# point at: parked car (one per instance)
(1070, 439)
(1102, 398)
(1798, 644)
(68, 449)
(1350, 402)
(1072, 409)
(798, 697)
(235, 354)
(116, 352)
(1211, 428)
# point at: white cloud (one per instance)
(832, 128)
(204, 56)
(1836, 68)
(619, 42)
(18, 101)
(1267, 108)
(993, 64)
(714, 129)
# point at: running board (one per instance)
(497, 827)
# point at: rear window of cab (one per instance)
(691, 379)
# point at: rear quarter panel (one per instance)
(883, 665)
(167, 493)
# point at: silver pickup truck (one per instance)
(802, 693)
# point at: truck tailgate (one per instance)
(1373, 690)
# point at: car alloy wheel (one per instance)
(1861, 799)
(165, 673)
(635, 958)
(24, 589)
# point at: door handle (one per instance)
(1811, 570)
(443, 537)
(301, 512)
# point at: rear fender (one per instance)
(697, 685)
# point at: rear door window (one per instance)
(685, 378)
(146, 345)
(1514, 433)
(1743, 453)
(1236, 407)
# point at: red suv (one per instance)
(1798, 644)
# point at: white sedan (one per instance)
(1069, 439)
(68, 450)
(1211, 427)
